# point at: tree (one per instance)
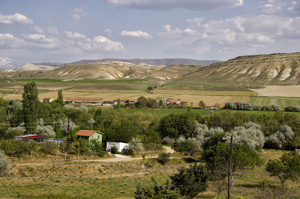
(136, 145)
(191, 181)
(281, 138)
(60, 98)
(156, 191)
(30, 107)
(286, 168)
(201, 104)
(4, 165)
(141, 102)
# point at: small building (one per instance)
(48, 100)
(90, 100)
(89, 135)
(211, 108)
(120, 146)
(125, 101)
(172, 101)
(35, 137)
(55, 140)
(108, 103)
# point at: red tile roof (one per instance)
(87, 133)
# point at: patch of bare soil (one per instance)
(279, 91)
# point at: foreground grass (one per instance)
(119, 180)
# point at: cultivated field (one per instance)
(279, 91)
(110, 90)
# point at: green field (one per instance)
(280, 101)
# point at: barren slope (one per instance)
(252, 71)
(107, 71)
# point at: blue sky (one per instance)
(33, 31)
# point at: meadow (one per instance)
(119, 180)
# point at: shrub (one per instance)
(114, 150)
(163, 158)
(191, 181)
(49, 148)
(4, 165)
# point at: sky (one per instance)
(34, 31)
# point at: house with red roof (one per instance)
(89, 135)
(171, 101)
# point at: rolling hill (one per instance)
(245, 71)
(251, 71)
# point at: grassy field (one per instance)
(280, 101)
(118, 180)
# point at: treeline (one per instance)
(253, 107)
(250, 107)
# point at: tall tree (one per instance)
(60, 98)
(30, 107)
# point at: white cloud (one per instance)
(107, 44)
(137, 34)
(9, 41)
(196, 5)
(16, 18)
(78, 13)
(295, 6)
(272, 6)
(74, 35)
(108, 32)
(40, 38)
(242, 34)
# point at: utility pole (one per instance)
(68, 133)
(230, 164)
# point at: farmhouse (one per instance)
(211, 108)
(90, 135)
(171, 101)
(89, 100)
(125, 101)
(108, 103)
(48, 100)
(120, 146)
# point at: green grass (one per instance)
(280, 101)
(165, 111)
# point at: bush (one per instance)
(4, 165)
(49, 148)
(191, 181)
(163, 158)
(114, 150)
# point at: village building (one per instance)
(89, 135)
(35, 137)
(48, 100)
(125, 101)
(84, 100)
(108, 103)
(172, 101)
(120, 146)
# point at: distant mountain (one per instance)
(104, 71)
(6, 64)
(151, 62)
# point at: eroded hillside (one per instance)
(252, 71)
(107, 71)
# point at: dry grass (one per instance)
(279, 91)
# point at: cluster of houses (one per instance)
(87, 135)
(96, 101)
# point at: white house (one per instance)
(120, 146)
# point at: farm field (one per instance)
(110, 90)
(280, 101)
(119, 180)
(279, 91)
